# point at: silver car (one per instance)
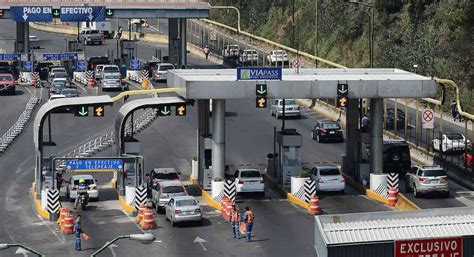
(111, 81)
(291, 108)
(162, 192)
(161, 72)
(427, 179)
(183, 209)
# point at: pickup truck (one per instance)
(7, 83)
(231, 51)
(91, 36)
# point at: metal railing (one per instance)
(14, 131)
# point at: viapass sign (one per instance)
(436, 247)
(259, 73)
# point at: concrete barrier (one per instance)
(403, 204)
(39, 209)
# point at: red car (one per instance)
(7, 83)
(467, 159)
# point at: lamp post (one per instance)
(371, 29)
(316, 39)
(144, 238)
(6, 246)
(230, 8)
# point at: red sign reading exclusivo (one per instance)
(435, 247)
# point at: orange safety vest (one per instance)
(235, 216)
(249, 216)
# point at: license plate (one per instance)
(332, 132)
(434, 181)
(188, 212)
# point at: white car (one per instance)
(98, 71)
(328, 178)
(248, 56)
(183, 209)
(73, 182)
(249, 180)
(450, 142)
(161, 72)
(109, 69)
(291, 108)
(277, 56)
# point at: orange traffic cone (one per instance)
(140, 213)
(68, 226)
(91, 82)
(313, 207)
(63, 212)
(148, 221)
(224, 201)
(33, 81)
(392, 196)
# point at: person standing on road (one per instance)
(248, 218)
(77, 232)
(206, 52)
(234, 221)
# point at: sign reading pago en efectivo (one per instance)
(82, 13)
(267, 73)
(433, 247)
(31, 13)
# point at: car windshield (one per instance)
(167, 176)
(434, 173)
(173, 189)
(60, 75)
(6, 78)
(250, 174)
(165, 67)
(113, 69)
(455, 137)
(187, 202)
(69, 91)
(329, 172)
(88, 181)
(112, 77)
(58, 85)
(331, 126)
(290, 102)
(58, 70)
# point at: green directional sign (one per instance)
(109, 12)
(261, 90)
(82, 111)
(164, 110)
(56, 13)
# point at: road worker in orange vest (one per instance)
(248, 218)
(234, 220)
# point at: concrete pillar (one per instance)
(376, 135)
(26, 45)
(182, 41)
(352, 134)
(173, 38)
(20, 35)
(218, 138)
(202, 132)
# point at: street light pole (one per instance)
(371, 28)
(144, 238)
(316, 43)
(6, 246)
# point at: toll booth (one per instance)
(127, 50)
(289, 144)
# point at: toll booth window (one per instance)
(166, 176)
(86, 181)
(290, 156)
(6, 78)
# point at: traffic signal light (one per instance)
(181, 110)
(342, 102)
(99, 111)
(261, 90)
(164, 110)
(82, 111)
(261, 102)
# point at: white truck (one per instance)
(103, 26)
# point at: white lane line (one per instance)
(79, 85)
(131, 220)
(62, 239)
(27, 88)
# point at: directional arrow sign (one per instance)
(109, 13)
(82, 111)
(99, 111)
(201, 242)
(22, 251)
(261, 90)
(181, 110)
(261, 102)
(31, 13)
(342, 90)
(164, 110)
(56, 13)
(342, 101)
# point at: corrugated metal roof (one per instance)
(375, 227)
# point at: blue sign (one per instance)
(135, 64)
(60, 57)
(94, 165)
(27, 66)
(81, 66)
(273, 73)
(82, 13)
(31, 13)
(10, 57)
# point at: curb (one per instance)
(209, 200)
(42, 212)
(403, 204)
(286, 194)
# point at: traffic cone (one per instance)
(91, 82)
(313, 207)
(63, 212)
(392, 196)
(68, 226)
(140, 213)
(224, 201)
(148, 221)
(34, 81)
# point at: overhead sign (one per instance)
(447, 247)
(60, 57)
(94, 165)
(427, 119)
(164, 110)
(10, 57)
(135, 64)
(27, 66)
(181, 110)
(31, 13)
(261, 102)
(81, 65)
(82, 111)
(267, 73)
(82, 13)
(342, 90)
(261, 90)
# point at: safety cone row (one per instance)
(68, 225)
(313, 207)
(148, 222)
(392, 196)
(91, 82)
(63, 212)
(141, 209)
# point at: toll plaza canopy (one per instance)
(307, 83)
(127, 9)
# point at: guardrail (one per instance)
(14, 131)
(103, 142)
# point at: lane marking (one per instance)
(77, 84)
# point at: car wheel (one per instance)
(415, 192)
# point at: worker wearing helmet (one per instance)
(82, 188)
